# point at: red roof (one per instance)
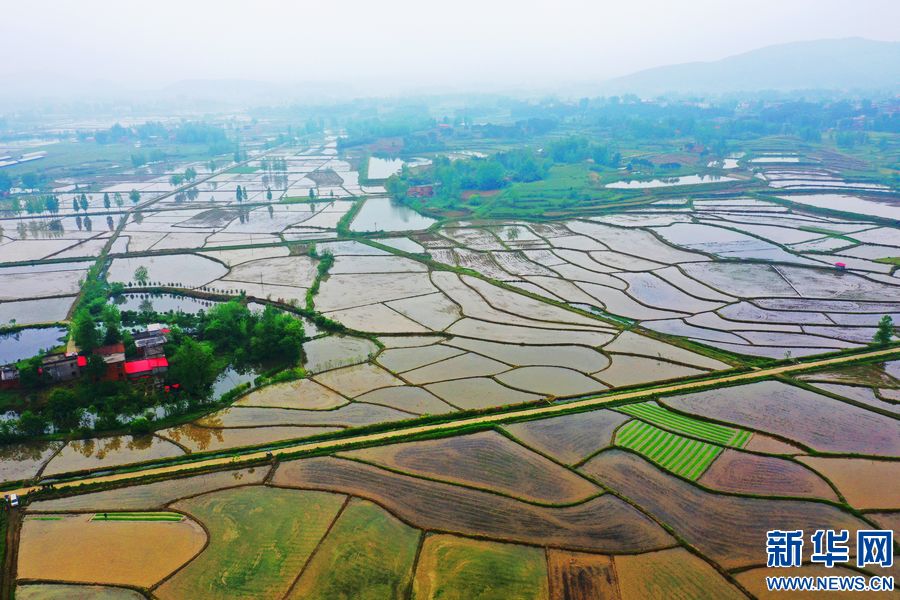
(82, 361)
(148, 364)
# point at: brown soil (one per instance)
(486, 460)
(114, 552)
(604, 524)
(812, 419)
(152, 496)
(743, 473)
(570, 438)
(579, 576)
(864, 483)
(674, 574)
(729, 530)
(761, 442)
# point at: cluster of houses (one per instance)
(62, 366)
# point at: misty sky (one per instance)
(404, 41)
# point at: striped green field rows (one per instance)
(138, 516)
(711, 432)
(680, 455)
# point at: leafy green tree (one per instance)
(193, 365)
(83, 202)
(276, 336)
(63, 407)
(141, 275)
(134, 196)
(96, 367)
(138, 160)
(30, 180)
(30, 375)
(885, 332)
(51, 203)
(32, 424)
(269, 194)
(227, 326)
(117, 197)
(75, 206)
(84, 331)
(112, 320)
(140, 426)
(106, 203)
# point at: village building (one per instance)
(114, 357)
(147, 367)
(61, 367)
(150, 343)
(420, 191)
(9, 377)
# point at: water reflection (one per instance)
(385, 214)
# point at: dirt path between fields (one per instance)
(395, 435)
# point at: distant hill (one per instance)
(842, 64)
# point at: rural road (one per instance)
(399, 434)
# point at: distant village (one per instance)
(70, 364)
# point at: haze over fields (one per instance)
(275, 50)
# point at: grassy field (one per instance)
(454, 568)
(259, 540)
(680, 455)
(89, 157)
(368, 555)
(657, 415)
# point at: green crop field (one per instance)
(259, 539)
(455, 568)
(657, 415)
(680, 455)
(368, 554)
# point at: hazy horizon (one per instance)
(398, 43)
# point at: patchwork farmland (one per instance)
(585, 400)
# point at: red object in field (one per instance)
(147, 365)
(420, 191)
(82, 361)
(840, 265)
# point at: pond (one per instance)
(887, 207)
(385, 214)
(775, 159)
(669, 181)
(28, 342)
(162, 303)
(381, 168)
(230, 379)
(26, 312)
